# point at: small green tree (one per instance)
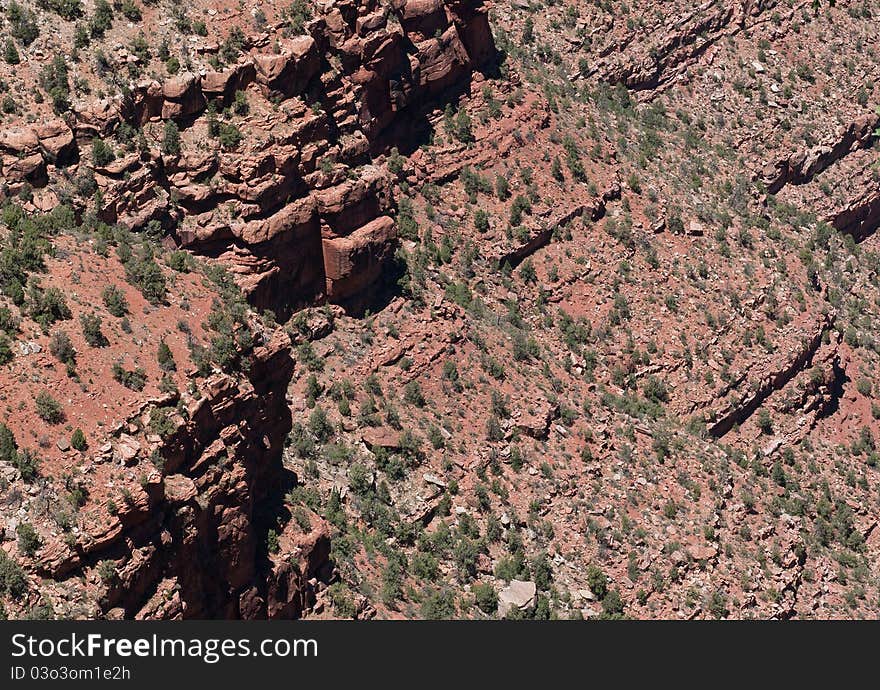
(10, 54)
(12, 578)
(28, 539)
(597, 581)
(412, 393)
(166, 357)
(49, 409)
(91, 328)
(485, 597)
(463, 127)
(6, 354)
(8, 445)
(502, 188)
(107, 571)
(481, 220)
(229, 136)
(765, 423)
(102, 154)
(27, 464)
(131, 11)
(114, 300)
(171, 139)
(612, 605)
(78, 440)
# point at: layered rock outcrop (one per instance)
(189, 539)
(293, 193)
(804, 164)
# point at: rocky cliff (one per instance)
(175, 522)
(291, 202)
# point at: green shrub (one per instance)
(54, 80)
(407, 226)
(165, 357)
(412, 393)
(107, 571)
(28, 539)
(240, 105)
(49, 409)
(145, 273)
(296, 15)
(438, 605)
(485, 597)
(171, 139)
(66, 9)
(161, 423)
(12, 578)
(612, 605)
(343, 601)
(131, 11)
(102, 18)
(61, 347)
(78, 440)
(8, 446)
(229, 136)
(655, 390)
(6, 354)
(320, 425)
(765, 423)
(359, 479)
(134, 379)
(233, 45)
(179, 261)
(481, 220)
(47, 306)
(24, 23)
(10, 53)
(272, 543)
(91, 328)
(27, 464)
(597, 581)
(114, 300)
(102, 154)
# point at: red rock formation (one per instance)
(354, 262)
(264, 207)
(193, 524)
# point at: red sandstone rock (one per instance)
(355, 261)
(287, 73)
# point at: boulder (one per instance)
(98, 119)
(422, 19)
(518, 595)
(225, 83)
(56, 141)
(287, 73)
(182, 96)
(179, 489)
(443, 61)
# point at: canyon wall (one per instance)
(295, 209)
(189, 538)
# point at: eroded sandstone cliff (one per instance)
(296, 209)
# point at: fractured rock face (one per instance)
(290, 209)
(287, 73)
(355, 261)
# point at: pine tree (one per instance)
(78, 440)
(166, 357)
(171, 139)
(11, 53)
